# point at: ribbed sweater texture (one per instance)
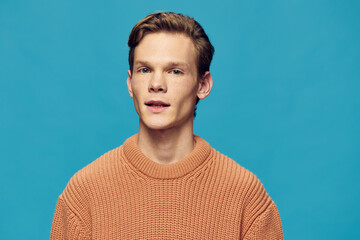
(125, 195)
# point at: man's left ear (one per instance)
(205, 85)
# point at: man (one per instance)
(165, 182)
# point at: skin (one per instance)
(165, 70)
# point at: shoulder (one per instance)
(235, 172)
(250, 193)
(248, 187)
(84, 182)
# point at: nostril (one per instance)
(157, 89)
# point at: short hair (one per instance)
(174, 23)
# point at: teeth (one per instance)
(157, 106)
(153, 105)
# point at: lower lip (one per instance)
(156, 109)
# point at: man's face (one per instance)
(164, 81)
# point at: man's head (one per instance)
(169, 59)
(174, 23)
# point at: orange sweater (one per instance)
(125, 195)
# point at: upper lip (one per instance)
(158, 103)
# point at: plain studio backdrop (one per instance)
(285, 102)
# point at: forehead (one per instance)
(166, 47)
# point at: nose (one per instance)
(157, 83)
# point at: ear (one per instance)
(128, 82)
(205, 85)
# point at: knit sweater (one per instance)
(125, 195)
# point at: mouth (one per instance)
(156, 107)
(156, 104)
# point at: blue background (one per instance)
(285, 102)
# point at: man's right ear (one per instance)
(128, 82)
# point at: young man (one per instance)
(165, 182)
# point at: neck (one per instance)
(167, 145)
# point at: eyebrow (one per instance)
(141, 63)
(169, 64)
(178, 64)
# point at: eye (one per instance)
(176, 72)
(144, 70)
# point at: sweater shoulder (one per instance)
(234, 171)
(243, 180)
(102, 164)
(250, 192)
(82, 183)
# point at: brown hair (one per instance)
(175, 23)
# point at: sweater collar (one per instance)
(150, 168)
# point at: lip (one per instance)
(156, 106)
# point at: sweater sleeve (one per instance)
(261, 219)
(72, 218)
(266, 226)
(66, 224)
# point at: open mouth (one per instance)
(157, 104)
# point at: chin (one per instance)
(157, 125)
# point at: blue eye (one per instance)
(177, 72)
(144, 70)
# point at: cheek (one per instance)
(136, 89)
(188, 98)
(136, 99)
